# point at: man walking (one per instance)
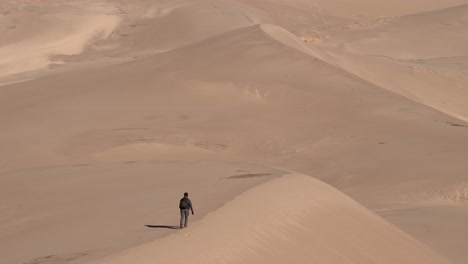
(185, 206)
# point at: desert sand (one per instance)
(304, 131)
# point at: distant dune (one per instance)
(31, 38)
(410, 64)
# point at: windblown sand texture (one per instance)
(305, 131)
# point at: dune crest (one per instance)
(393, 57)
(110, 109)
(292, 219)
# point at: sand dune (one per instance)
(272, 103)
(397, 57)
(398, 41)
(291, 219)
(369, 8)
(30, 41)
(158, 26)
(88, 211)
(115, 103)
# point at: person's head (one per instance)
(186, 194)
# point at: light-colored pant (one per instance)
(184, 214)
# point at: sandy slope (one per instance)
(33, 34)
(86, 211)
(184, 109)
(368, 104)
(293, 219)
(193, 104)
(424, 221)
(407, 63)
(372, 9)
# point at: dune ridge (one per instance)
(415, 81)
(393, 57)
(292, 219)
(146, 99)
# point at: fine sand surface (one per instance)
(75, 210)
(111, 109)
(33, 34)
(288, 220)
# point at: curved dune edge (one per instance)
(292, 219)
(408, 80)
(61, 31)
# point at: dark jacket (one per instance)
(188, 202)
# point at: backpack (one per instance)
(184, 203)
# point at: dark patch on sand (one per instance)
(456, 125)
(248, 175)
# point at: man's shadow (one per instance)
(162, 226)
